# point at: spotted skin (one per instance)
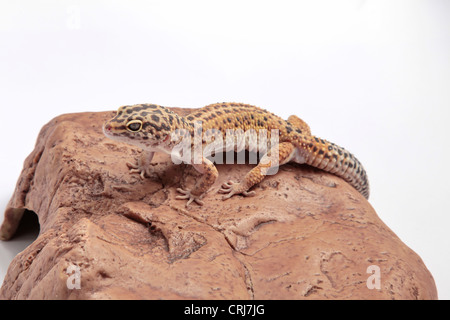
(150, 126)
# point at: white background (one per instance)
(372, 76)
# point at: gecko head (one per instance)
(143, 125)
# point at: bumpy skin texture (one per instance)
(150, 127)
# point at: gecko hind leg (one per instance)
(299, 123)
(284, 151)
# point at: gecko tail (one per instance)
(332, 158)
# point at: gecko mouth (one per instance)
(162, 141)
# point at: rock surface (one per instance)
(306, 234)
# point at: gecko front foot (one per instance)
(231, 188)
(143, 166)
(187, 195)
(137, 168)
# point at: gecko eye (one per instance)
(134, 125)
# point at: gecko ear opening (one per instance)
(134, 125)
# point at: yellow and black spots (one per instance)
(145, 125)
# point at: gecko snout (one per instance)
(107, 128)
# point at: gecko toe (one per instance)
(228, 196)
(189, 197)
(229, 184)
(232, 188)
(189, 202)
(137, 168)
(224, 189)
(249, 194)
(198, 201)
(185, 192)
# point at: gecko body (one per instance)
(151, 127)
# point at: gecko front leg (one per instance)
(143, 164)
(208, 178)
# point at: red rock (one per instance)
(306, 235)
